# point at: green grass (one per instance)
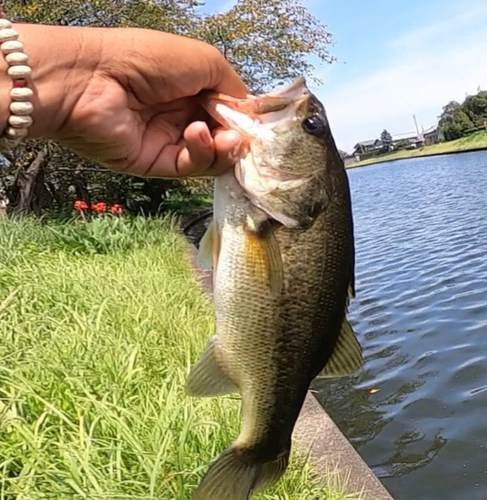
(99, 324)
(473, 141)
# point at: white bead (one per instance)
(20, 71)
(21, 94)
(16, 133)
(8, 34)
(17, 58)
(12, 46)
(21, 108)
(18, 121)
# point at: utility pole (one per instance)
(419, 136)
(416, 123)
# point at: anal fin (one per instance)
(346, 358)
(207, 378)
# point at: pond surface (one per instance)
(417, 413)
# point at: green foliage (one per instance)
(475, 129)
(21, 238)
(104, 234)
(176, 16)
(386, 138)
(94, 355)
(458, 120)
(386, 142)
(268, 41)
(456, 126)
(66, 176)
(450, 109)
(476, 108)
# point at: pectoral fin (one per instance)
(207, 378)
(264, 257)
(347, 354)
(209, 249)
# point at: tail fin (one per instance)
(234, 477)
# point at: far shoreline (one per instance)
(367, 163)
(471, 143)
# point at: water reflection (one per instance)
(421, 314)
(403, 460)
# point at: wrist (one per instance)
(62, 61)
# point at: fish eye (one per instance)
(313, 125)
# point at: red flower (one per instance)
(99, 206)
(80, 205)
(116, 208)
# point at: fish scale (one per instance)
(282, 251)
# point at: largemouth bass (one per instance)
(282, 250)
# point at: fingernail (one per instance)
(206, 138)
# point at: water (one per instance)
(417, 413)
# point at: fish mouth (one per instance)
(248, 116)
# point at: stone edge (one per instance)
(316, 435)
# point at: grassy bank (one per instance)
(473, 141)
(99, 324)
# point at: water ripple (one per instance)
(421, 315)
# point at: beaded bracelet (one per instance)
(21, 106)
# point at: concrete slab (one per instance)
(328, 449)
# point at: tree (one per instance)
(454, 121)
(450, 109)
(268, 41)
(386, 139)
(177, 16)
(457, 120)
(475, 106)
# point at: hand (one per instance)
(130, 100)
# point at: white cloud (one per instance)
(455, 17)
(421, 80)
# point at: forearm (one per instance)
(62, 60)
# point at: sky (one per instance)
(396, 59)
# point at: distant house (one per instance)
(367, 147)
(407, 141)
(347, 158)
(432, 135)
